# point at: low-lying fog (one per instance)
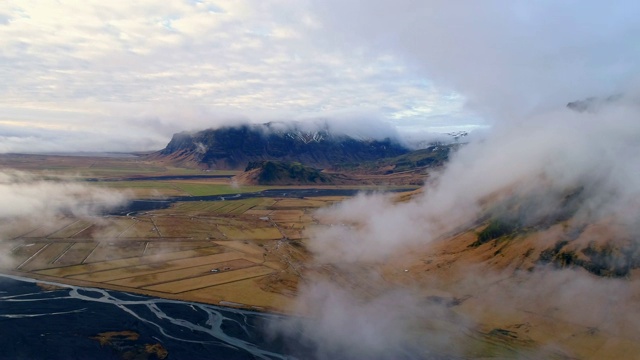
(519, 64)
(30, 199)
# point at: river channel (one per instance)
(67, 322)
(140, 205)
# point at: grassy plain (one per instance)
(162, 188)
(89, 166)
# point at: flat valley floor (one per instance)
(232, 253)
(251, 254)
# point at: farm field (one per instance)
(243, 253)
(213, 251)
(183, 252)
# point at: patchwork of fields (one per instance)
(235, 252)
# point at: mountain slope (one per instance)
(282, 173)
(235, 147)
(417, 161)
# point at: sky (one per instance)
(120, 75)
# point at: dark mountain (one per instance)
(417, 160)
(235, 147)
(282, 173)
(592, 104)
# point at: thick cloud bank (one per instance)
(519, 64)
(508, 58)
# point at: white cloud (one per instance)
(111, 63)
(508, 58)
(30, 199)
(521, 62)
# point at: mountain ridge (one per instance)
(234, 147)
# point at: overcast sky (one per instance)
(125, 75)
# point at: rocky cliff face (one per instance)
(235, 147)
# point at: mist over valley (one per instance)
(320, 180)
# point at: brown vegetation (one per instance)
(254, 254)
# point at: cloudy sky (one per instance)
(125, 75)
(122, 75)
